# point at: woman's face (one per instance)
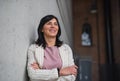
(50, 29)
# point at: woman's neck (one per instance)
(50, 41)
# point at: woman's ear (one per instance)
(42, 31)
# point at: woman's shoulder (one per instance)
(33, 46)
(65, 45)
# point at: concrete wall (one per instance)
(19, 20)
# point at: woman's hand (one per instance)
(35, 66)
(71, 70)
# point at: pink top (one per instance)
(52, 58)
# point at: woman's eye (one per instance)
(56, 24)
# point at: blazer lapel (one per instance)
(39, 55)
(64, 56)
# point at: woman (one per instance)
(49, 59)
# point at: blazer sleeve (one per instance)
(39, 74)
(67, 78)
(70, 55)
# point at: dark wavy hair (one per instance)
(41, 39)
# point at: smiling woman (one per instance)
(50, 30)
(49, 59)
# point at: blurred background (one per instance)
(90, 27)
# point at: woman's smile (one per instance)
(51, 28)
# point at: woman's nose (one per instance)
(52, 25)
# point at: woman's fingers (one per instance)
(35, 65)
(74, 66)
(73, 70)
(69, 70)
